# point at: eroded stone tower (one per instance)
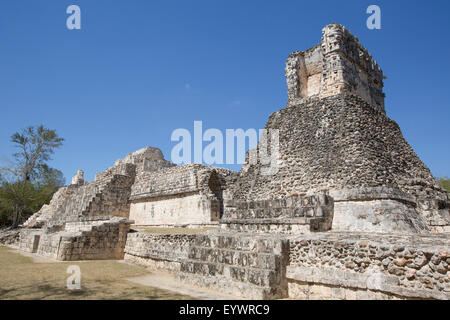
(339, 64)
(336, 139)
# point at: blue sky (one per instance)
(138, 69)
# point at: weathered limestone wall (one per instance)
(29, 240)
(342, 146)
(349, 68)
(81, 240)
(340, 64)
(103, 241)
(326, 265)
(85, 224)
(304, 73)
(181, 179)
(189, 194)
(360, 266)
(185, 209)
(245, 265)
(294, 214)
(158, 251)
(375, 208)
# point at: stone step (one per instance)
(241, 242)
(252, 259)
(255, 276)
(242, 264)
(235, 288)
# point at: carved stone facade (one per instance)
(340, 64)
(163, 197)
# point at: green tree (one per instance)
(36, 145)
(445, 183)
(17, 198)
(31, 182)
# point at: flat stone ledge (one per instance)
(371, 193)
(375, 281)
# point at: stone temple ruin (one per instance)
(352, 212)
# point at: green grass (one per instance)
(22, 278)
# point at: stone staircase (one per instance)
(57, 204)
(243, 265)
(108, 195)
(96, 198)
(112, 199)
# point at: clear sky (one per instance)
(139, 69)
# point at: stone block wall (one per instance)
(360, 266)
(244, 265)
(81, 240)
(40, 242)
(340, 64)
(326, 265)
(189, 194)
(375, 209)
(29, 240)
(102, 241)
(158, 251)
(349, 68)
(85, 224)
(172, 181)
(304, 73)
(183, 209)
(290, 215)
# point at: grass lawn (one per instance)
(22, 278)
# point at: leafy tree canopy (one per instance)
(445, 183)
(28, 183)
(36, 145)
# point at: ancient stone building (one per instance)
(339, 64)
(143, 186)
(336, 139)
(183, 195)
(350, 213)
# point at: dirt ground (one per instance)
(26, 277)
